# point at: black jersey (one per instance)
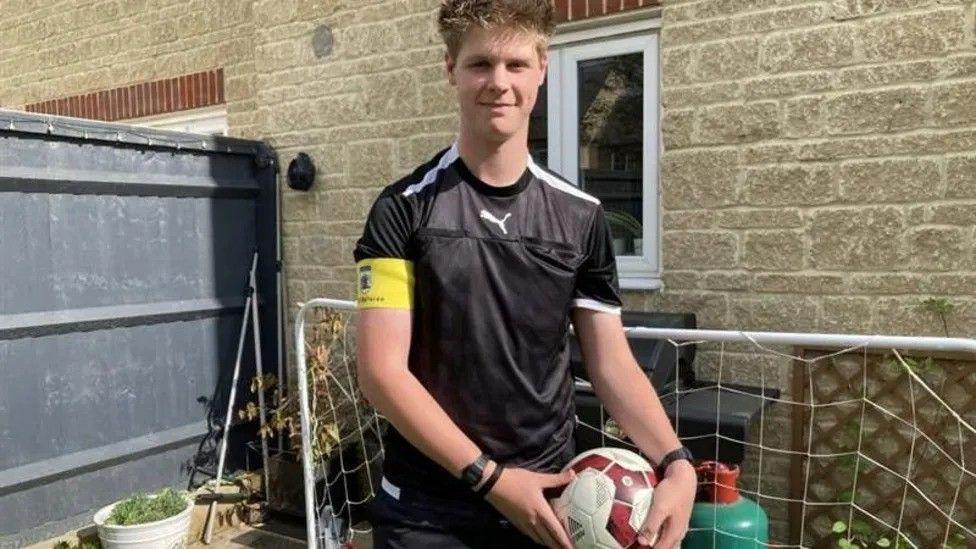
(491, 274)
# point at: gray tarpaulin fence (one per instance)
(123, 258)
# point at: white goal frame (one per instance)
(830, 341)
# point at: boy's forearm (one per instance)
(631, 400)
(621, 385)
(412, 410)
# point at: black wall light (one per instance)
(301, 172)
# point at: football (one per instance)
(607, 502)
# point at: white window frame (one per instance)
(565, 52)
(205, 121)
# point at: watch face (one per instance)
(472, 473)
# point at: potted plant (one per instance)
(157, 521)
(331, 355)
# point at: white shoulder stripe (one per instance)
(595, 305)
(449, 157)
(390, 488)
(556, 183)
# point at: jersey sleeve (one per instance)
(384, 272)
(597, 287)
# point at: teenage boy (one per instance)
(469, 272)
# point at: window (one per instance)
(597, 124)
(208, 121)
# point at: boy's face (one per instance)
(497, 76)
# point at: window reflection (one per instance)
(611, 114)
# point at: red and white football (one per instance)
(607, 502)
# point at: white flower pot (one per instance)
(169, 533)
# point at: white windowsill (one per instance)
(206, 120)
(640, 283)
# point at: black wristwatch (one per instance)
(673, 456)
(471, 475)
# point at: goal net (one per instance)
(341, 434)
(842, 440)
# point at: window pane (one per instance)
(611, 130)
(538, 128)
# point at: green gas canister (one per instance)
(722, 518)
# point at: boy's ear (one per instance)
(544, 66)
(449, 64)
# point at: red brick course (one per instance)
(189, 91)
(575, 10)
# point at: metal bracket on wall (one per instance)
(265, 157)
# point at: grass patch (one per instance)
(140, 509)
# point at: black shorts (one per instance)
(418, 520)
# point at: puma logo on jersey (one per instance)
(487, 216)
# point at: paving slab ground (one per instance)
(275, 534)
(256, 537)
(271, 535)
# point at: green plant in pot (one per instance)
(155, 521)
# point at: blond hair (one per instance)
(530, 16)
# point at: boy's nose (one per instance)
(498, 80)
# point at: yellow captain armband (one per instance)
(384, 282)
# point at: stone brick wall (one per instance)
(818, 174)
(368, 110)
(55, 55)
(817, 171)
(818, 168)
(358, 85)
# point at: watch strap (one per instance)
(487, 486)
(675, 455)
(471, 475)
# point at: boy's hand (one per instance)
(518, 495)
(667, 519)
